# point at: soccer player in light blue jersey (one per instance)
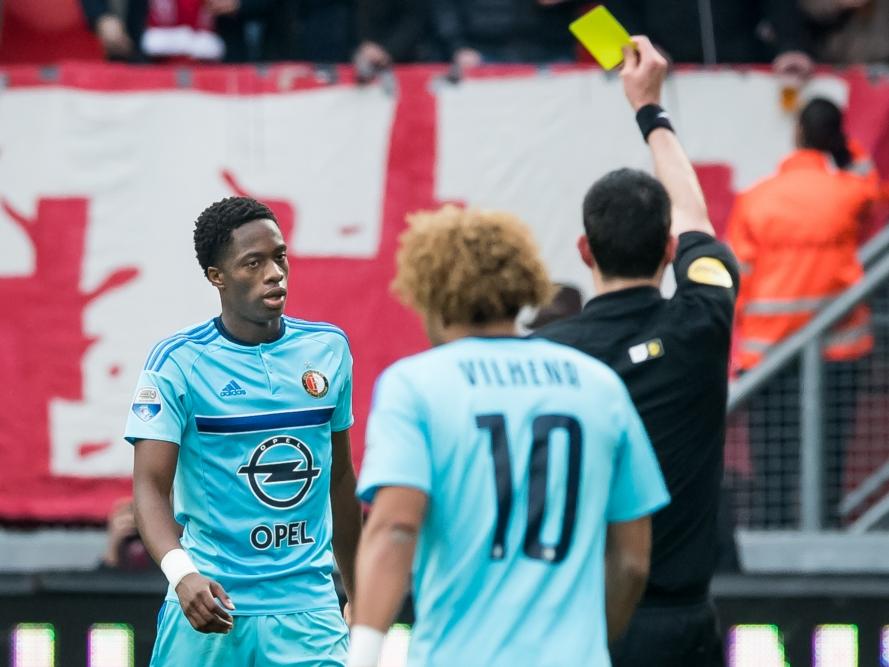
(514, 475)
(246, 418)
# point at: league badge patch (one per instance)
(710, 271)
(315, 383)
(147, 405)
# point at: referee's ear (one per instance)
(583, 247)
(670, 250)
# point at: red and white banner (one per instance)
(103, 170)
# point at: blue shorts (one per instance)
(318, 638)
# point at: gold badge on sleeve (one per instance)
(710, 271)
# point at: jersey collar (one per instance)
(623, 302)
(225, 333)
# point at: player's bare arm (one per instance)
(643, 77)
(384, 564)
(153, 471)
(346, 510)
(627, 559)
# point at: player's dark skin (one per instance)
(251, 277)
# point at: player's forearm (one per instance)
(154, 518)
(675, 171)
(346, 529)
(383, 571)
(624, 584)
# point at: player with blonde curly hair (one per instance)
(495, 465)
(468, 268)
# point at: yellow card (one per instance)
(602, 35)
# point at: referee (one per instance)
(673, 356)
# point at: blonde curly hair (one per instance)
(469, 266)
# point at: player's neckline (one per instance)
(225, 333)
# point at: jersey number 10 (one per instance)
(542, 429)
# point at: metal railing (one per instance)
(805, 347)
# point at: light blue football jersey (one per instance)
(253, 424)
(527, 450)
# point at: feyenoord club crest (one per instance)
(315, 383)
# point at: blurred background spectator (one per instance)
(565, 303)
(796, 237)
(375, 33)
(477, 31)
(321, 31)
(125, 550)
(722, 31)
(849, 31)
(392, 31)
(136, 30)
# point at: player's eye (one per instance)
(253, 264)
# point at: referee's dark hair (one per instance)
(626, 216)
(213, 228)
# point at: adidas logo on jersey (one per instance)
(232, 389)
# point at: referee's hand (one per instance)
(643, 73)
(197, 596)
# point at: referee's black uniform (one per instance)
(673, 355)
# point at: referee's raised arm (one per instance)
(643, 75)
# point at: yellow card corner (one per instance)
(602, 35)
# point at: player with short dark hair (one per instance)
(498, 465)
(672, 354)
(214, 226)
(246, 418)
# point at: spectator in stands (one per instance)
(722, 31)
(390, 31)
(124, 550)
(476, 31)
(849, 31)
(318, 31)
(190, 29)
(567, 302)
(796, 236)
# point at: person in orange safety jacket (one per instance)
(796, 236)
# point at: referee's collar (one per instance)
(623, 302)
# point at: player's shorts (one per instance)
(318, 638)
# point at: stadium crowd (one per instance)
(791, 35)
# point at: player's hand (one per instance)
(197, 596)
(347, 613)
(643, 73)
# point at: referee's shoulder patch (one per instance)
(710, 271)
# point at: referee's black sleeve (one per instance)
(707, 280)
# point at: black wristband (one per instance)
(650, 117)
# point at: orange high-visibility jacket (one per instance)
(796, 237)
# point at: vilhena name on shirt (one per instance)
(519, 373)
